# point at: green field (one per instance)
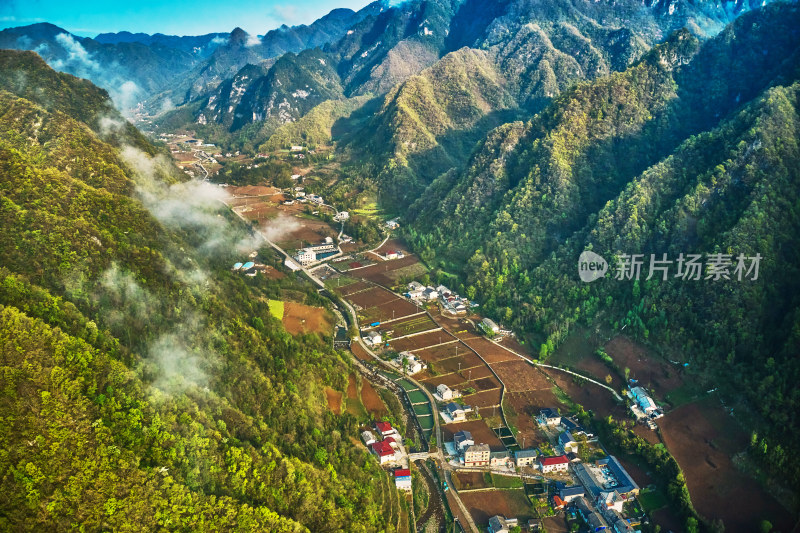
(425, 422)
(407, 385)
(423, 409)
(652, 500)
(276, 309)
(507, 482)
(417, 396)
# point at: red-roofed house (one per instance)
(384, 451)
(553, 464)
(384, 428)
(402, 478)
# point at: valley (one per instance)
(324, 278)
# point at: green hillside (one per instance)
(144, 383)
(694, 149)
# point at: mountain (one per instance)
(327, 29)
(144, 383)
(129, 71)
(694, 149)
(199, 45)
(533, 52)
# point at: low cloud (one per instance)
(285, 14)
(280, 227)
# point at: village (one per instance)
(491, 434)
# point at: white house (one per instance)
(373, 338)
(402, 479)
(429, 294)
(559, 463)
(549, 417)
(306, 256)
(410, 363)
(341, 216)
(525, 457)
(444, 392)
(456, 411)
(462, 440)
(368, 437)
(501, 524)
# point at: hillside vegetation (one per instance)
(145, 384)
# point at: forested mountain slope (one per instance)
(692, 150)
(529, 52)
(145, 384)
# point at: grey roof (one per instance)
(497, 523)
(521, 454)
(575, 490)
(479, 448)
(462, 435)
(500, 455)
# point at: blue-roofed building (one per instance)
(567, 442)
(248, 265)
(237, 266)
(570, 493)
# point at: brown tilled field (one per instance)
(371, 297)
(484, 504)
(654, 373)
(334, 400)
(353, 288)
(352, 387)
(299, 318)
(469, 480)
(491, 352)
(418, 342)
(451, 380)
(484, 400)
(702, 437)
(527, 405)
(386, 272)
(590, 396)
(520, 376)
(481, 433)
(371, 400)
(359, 352)
(437, 353)
(469, 362)
(253, 190)
(391, 310)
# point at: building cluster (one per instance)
(311, 254)
(643, 406)
(607, 487)
(250, 268)
(450, 301)
(454, 412)
(409, 363)
(385, 443)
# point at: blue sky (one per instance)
(176, 17)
